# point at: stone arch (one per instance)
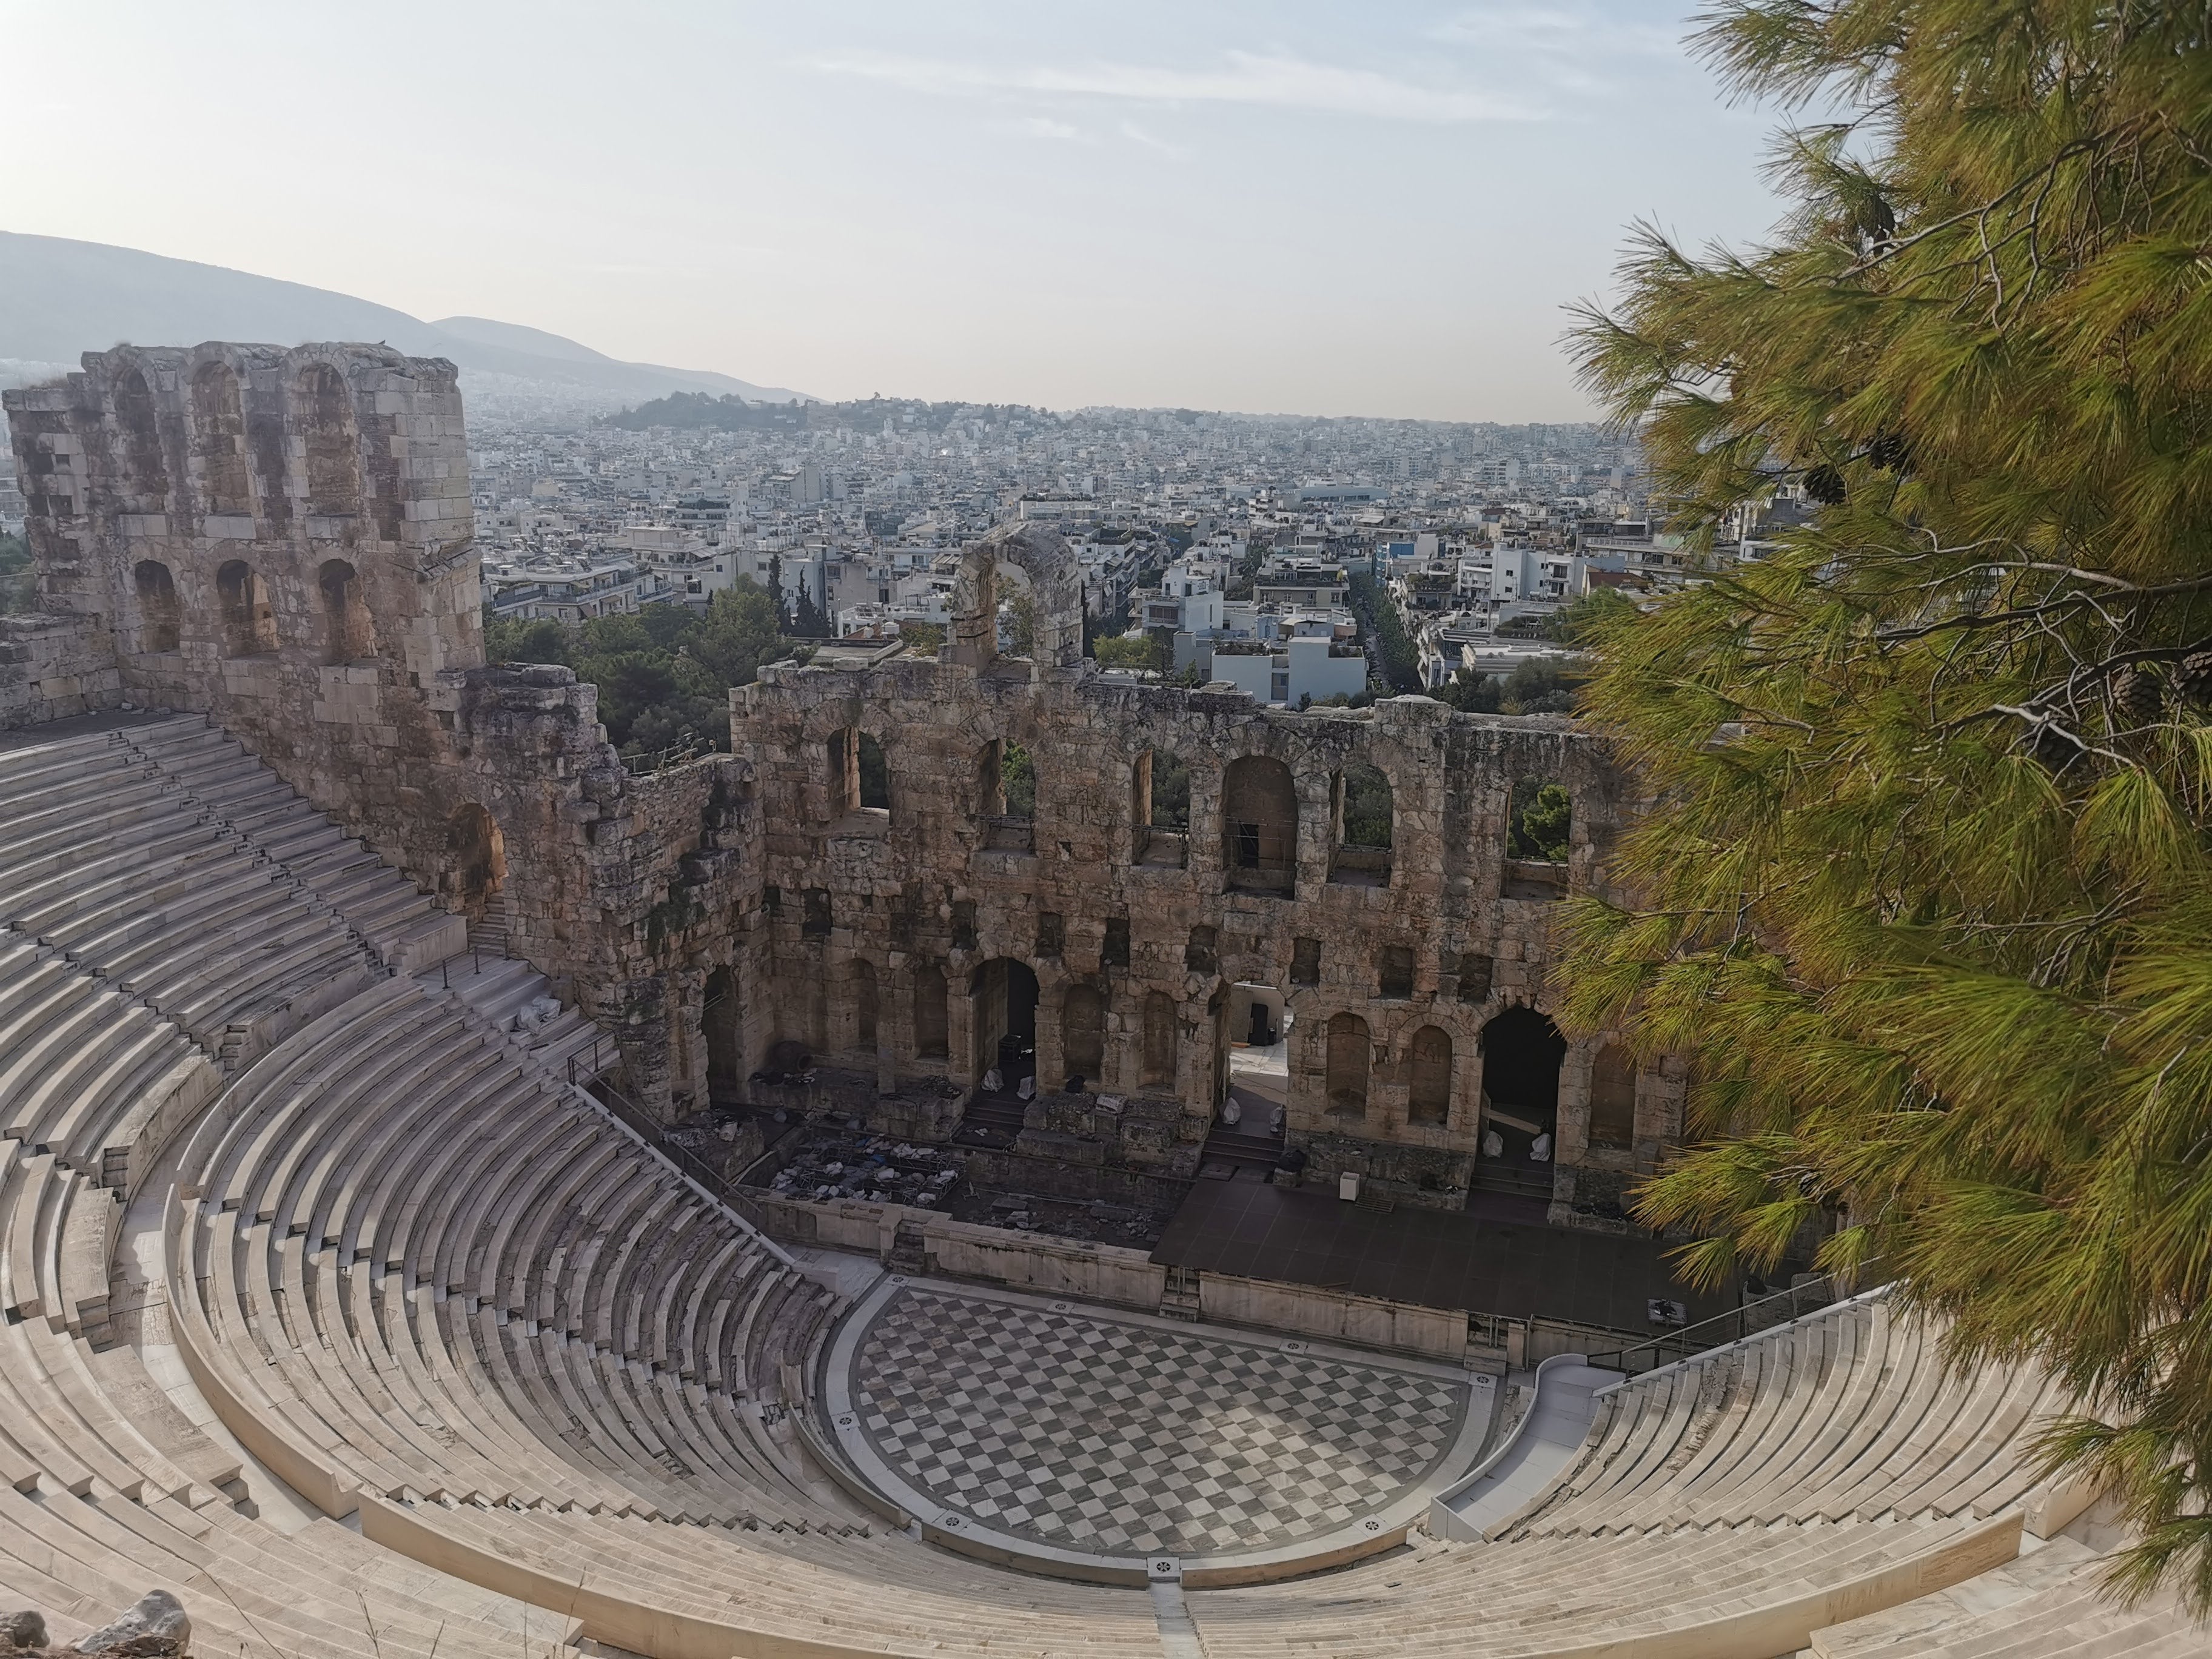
(1260, 826)
(160, 618)
(1158, 1066)
(1362, 823)
(1082, 1031)
(1056, 589)
(863, 975)
(931, 1027)
(1349, 1060)
(475, 859)
(146, 470)
(219, 440)
(1612, 1098)
(249, 621)
(1429, 1076)
(718, 1018)
(324, 416)
(1003, 1022)
(349, 633)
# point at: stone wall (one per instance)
(282, 540)
(1444, 936)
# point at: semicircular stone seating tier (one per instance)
(488, 1376)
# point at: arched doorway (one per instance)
(1520, 1053)
(718, 1017)
(475, 860)
(1004, 993)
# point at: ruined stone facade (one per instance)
(282, 540)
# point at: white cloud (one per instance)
(1565, 26)
(1137, 135)
(1273, 80)
(1038, 126)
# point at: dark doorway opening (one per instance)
(1522, 1050)
(720, 1017)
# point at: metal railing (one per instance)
(650, 1131)
(1777, 1308)
(689, 747)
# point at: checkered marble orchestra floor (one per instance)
(1077, 1430)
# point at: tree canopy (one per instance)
(1924, 888)
(662, 671)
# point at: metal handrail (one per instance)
(1778, 1308)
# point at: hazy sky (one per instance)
(1374, 208)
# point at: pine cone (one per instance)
(2138, 695)
(1825, 485)
(2192, 680)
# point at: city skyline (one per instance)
(1286, 210)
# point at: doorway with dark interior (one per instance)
(1249, 1129)
(1003, 1003)
(1522, 1052)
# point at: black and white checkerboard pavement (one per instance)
(1080, 1430)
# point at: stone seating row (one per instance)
(135, 881)
(86, 1073)
(1848, 1412)
(436, 1284)
(106, 1486)
(401, 924)
(540, 1231)
(2050, 1604)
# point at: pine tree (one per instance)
(1923, 889)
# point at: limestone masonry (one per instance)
(282, 539)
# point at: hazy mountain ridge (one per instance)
(60, 298)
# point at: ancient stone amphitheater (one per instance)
(339, 1305)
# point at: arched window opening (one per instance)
(931, 1037)
(161, 619)
(864, 1004)
(1259, 827)
(1428, 1096)
(719, 1018)
(1159, 1049)
(1083, 1033)
(1539, 819)
(875, 776)
(333, 447)
(1159, 808)
(219, 432)
(1520, 1053)
(146, 483)
(348, 634)
(1345, 1076)
(475, 859)
(1612, 1098)
(249, 622)
(1362, 820)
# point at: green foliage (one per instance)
(662, 671)
(1926, 878)
(1384, 631)
(1367, 816)
(18, 581)
(1540, 815)
(924, 639)
(1578, 624)
(1119, 651)
(1018, 779)
(1170, 791)
(1470, 693)
(1537, 685)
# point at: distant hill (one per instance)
(60, 298)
